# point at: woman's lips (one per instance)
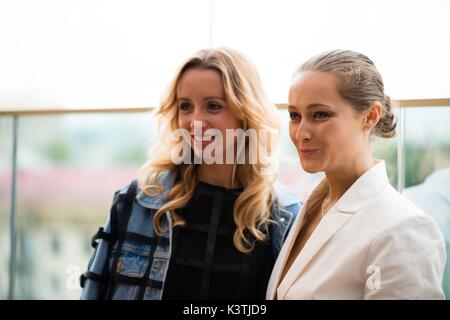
(308, 151)
(203, 141)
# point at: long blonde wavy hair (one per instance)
(245, 96)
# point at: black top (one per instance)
(204, 263)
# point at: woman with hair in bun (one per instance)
(356, 237)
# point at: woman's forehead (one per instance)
(313, 86)
(201, 81)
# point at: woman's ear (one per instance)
(373, 116)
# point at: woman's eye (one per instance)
(320, 115)
(185, 106)
(294, 116)
(214, 106)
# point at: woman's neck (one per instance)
(342, 178)
(219, 175)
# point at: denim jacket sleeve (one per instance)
(96, 290)
(99, 262)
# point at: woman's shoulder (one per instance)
(284, 196)
(130, 190)
(286, 204)
(396, 214)
(394, 203)
(165, 180)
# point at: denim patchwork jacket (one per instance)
(141, 258)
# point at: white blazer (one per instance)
(372, 244)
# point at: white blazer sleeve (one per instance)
(407, 261)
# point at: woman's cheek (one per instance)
(292, 133)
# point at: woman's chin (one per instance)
(309, 167)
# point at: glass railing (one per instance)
(59, 169)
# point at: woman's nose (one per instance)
(303, 132)
(198, 121)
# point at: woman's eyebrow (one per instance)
(214, 97)
(310, 106)
(317, 104)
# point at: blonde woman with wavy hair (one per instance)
(189, 227)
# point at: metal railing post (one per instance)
(401, 151)
(13, 217)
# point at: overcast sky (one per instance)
(94, 53)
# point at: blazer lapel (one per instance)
(364, 188)
(283, 255)
(291, 238)
(327, 227)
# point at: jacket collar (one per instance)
(284, 196)
(167, 178)
(366, 186)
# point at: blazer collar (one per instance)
(364, 188)
(353, 199)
